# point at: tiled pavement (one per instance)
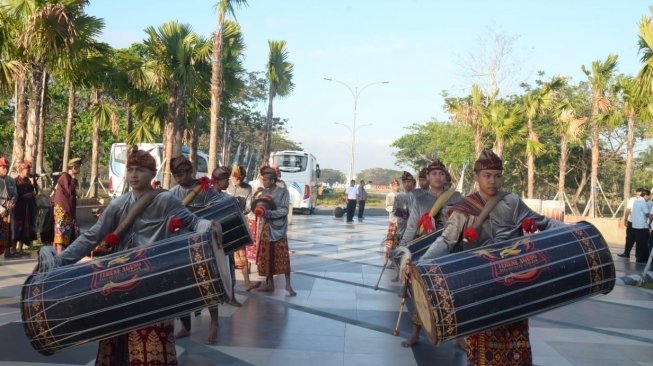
(338, 319)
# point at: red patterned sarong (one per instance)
(506, 345)
(252, 250)
(390, 240)
(149, 346)
(273, 257)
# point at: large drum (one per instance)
(226, 210)
(414, 249)
(464, 293)
(120, 292)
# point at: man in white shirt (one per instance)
(352, 197)
(630, 239)
(639, 220)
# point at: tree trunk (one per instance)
(562, 171)
(69, 126)
(130, 118)
(499, 148)
(170, 135)
(226, 142)
(268, 125)
(216, 89)
(594, 176)
(33, 121)
(194, 142)
(477, 138)
(95, 149)
(20, 119)
(530, 162)
(42, 121)
(579, 191)
(630, 144)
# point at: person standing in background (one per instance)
(65, 207)
(22, 221)
(352, 197)
(362, 197)
(630, 238)
(390, 241)
(7, 201)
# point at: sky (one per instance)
(420, 47)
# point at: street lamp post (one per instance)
(355, 93)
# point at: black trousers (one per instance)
(351, 208)
(361, 209)
(630, 238)
(641, 240)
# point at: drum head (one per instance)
(423, 306)
(223, 267)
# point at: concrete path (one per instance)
(338, 319)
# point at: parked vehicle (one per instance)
(300, 171)
(118, 159)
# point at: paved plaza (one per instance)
(338, 319)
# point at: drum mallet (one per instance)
(376, 287)
(404, 294)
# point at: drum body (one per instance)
(120, 292)
(414, 249)
(226, 210)
(466, 292)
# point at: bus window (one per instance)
(290, 163)
(202, 165)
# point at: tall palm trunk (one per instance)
(95, 148)
(594, 175)
(498, 149)
(130, 117)
(562, 170)
(33, 120)
(43, 110)
(216, 89)
(530, 162)
(630, 143)
(69, 126)
(169, 137)
(268, 125)
(477, 139)
(20, 119)
(194, 141)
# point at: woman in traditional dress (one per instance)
(24, 215)
(273, 254)
(242, 191)
(65, 207)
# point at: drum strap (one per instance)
(143, 202)
(489, 206)
(441, 201)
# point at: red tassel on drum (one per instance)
(259, 211)
(175, 225)
(470, 235)
(426, 223)
(111, 239)
(204, 183)
(529, 225)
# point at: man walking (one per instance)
(362, 197)
(352, 197)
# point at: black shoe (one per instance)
(623, 255)
(350, 221)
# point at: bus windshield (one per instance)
(290, 163)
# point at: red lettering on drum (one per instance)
(518, 263)
(124, 275)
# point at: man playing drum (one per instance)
(183, 172)
(506, 345)
(154, 344)
(420, 222)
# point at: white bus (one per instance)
(118, 159)
(300, 171)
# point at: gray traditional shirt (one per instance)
(401, 203)
(278, 218)
(503, 223)
(201, 199)
(8, 190)
(423, 203)
(242, 192)
(150, 226)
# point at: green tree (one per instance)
(224, 7)
(279, 72)
(331, 176)
(599, 77)
(378, 175)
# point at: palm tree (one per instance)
(599, 78)
(569, 127)
(468, 111)
(504, 123)
(224, 7)
(174, 53)
(279, 73)
(535, 103)
(634, 105)
(102, 113)
(645, 74)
